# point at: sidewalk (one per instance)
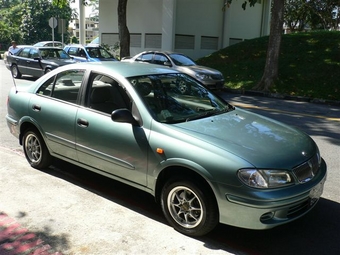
(70, 211)
(14, 239)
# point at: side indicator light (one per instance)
(159, 151)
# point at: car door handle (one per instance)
(36, 108)
(82, 122)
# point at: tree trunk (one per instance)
(270, 73)
(124, 34)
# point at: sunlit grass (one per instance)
(308, 64)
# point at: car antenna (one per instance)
(15, 85)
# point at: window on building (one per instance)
(110, 38)
(136, 40)
(234, 40)
(184, 42)
(153, 41)
(209, 43)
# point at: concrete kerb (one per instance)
(281, 96)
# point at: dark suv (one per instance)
(89, 53)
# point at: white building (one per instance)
(193, 27)
(91, 29)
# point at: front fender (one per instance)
(176, 163)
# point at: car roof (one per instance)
(39, 47)
(84, 46)
(126, 69)
(49, 41)
(44, 42)
(165, 52)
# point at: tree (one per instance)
(10, 20)
(295, 14)
(270, 74)
(124, 34)
(35, 16)
(323, 14)
(298, 14)
(271, 69)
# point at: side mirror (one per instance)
(167, 63)
(124, 116)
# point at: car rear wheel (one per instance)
(15, 71)
(35, 150)
(47, 70)
(188, 208)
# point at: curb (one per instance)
(283, 97)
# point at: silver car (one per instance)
(209, 77)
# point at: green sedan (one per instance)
(205, 161)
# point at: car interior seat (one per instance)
(101, 100)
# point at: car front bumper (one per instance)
(273, 211)
(213, 84)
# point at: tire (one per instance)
(47, 70)
(188, 208)
(15, 71)
(35, 150)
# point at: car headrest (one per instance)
(100, 95)
(144, 88)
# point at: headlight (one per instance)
(264, 179)
(202, 76)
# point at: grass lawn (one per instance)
(309, 64)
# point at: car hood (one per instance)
(263, 142)
(199, 69)
(101, 59)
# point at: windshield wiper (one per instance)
(207, 114)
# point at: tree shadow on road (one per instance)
(15, 239)
(314, 233)
(314, 119)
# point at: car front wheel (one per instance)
(15, 71)
(35, 150)
(188, 208)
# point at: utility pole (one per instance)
(81, 22)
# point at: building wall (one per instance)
(194, 27)
(91, 29)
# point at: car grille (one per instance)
(306, 171)
(298, 209)
(294, 211)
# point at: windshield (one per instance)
(98, 52)
(181, 60)
(54, 53)
(174, 98)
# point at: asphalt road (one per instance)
(70, 210)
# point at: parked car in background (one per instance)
(95, 40)
(36, 61)
(89, 53)
(209, 77)
(204, 160)
(49, 44)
